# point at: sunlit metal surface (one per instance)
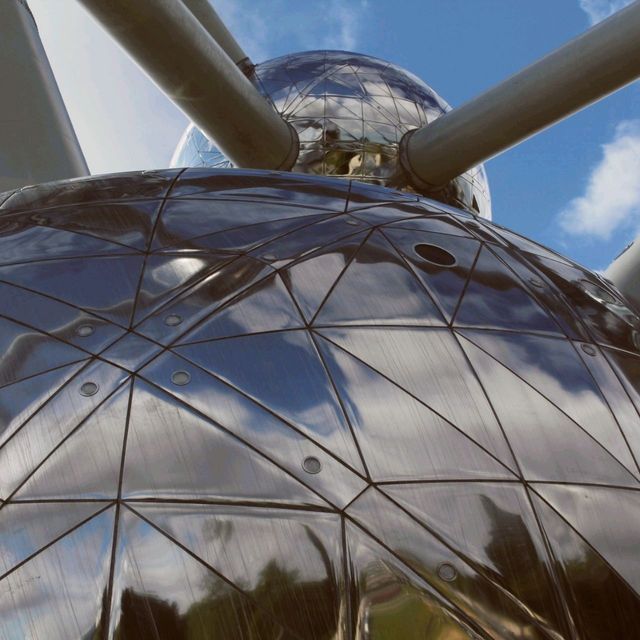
(264, 405)
(350, 112)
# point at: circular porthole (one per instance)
(436, 255)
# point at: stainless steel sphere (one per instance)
(256, 405)
(350, 112)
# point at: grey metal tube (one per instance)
(586, 69)
(624, 272)
(214, 26)
(37, 140)
(171, 45)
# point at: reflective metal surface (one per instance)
(350, 112)
(260, 405)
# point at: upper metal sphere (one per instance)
(350, 112)
(258, 406)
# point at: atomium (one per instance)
(350, 112)
(244, 404)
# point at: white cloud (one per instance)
(598, 10)
(343, 25)
(612, 195)
(321, 25)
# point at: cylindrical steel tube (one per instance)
(586, 69)
(624, 272)
(214, 26)
(37, 140)
(171, 45)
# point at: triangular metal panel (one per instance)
(174, 453)
(402, 439)
(547, 444)
(286, 375)
(61, 592)
(429, 364)
(378, 288)
(87, 464)
(281, 442)
(296, 571)
(267, 306)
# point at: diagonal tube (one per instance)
(584, 70)
(180, 56)
(214, 26)
(37, 140)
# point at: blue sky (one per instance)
(574, 187)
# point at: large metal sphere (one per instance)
(350, 112)
(256, 405)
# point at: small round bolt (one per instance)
(180, 378)
(588, 349)
(311, 464)
(536, 283)
(84, 330)
(447, 572)
(269, 256)
(89, 389)
(173, 320)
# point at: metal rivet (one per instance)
(311, 465)
(536, 283)
(270, 257)
(173, 320)
(588, 349)
(89, 389)
(85, 330)
(447, 572)
(180, 378)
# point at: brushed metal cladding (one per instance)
(260, 405)
(350, 112)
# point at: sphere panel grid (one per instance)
(303, 428)
(350, 112)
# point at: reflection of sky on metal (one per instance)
(124, 122)
(350, 112)
(61, 586)
(330, 329)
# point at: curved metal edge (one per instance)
(294, 150)
(405, 163)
